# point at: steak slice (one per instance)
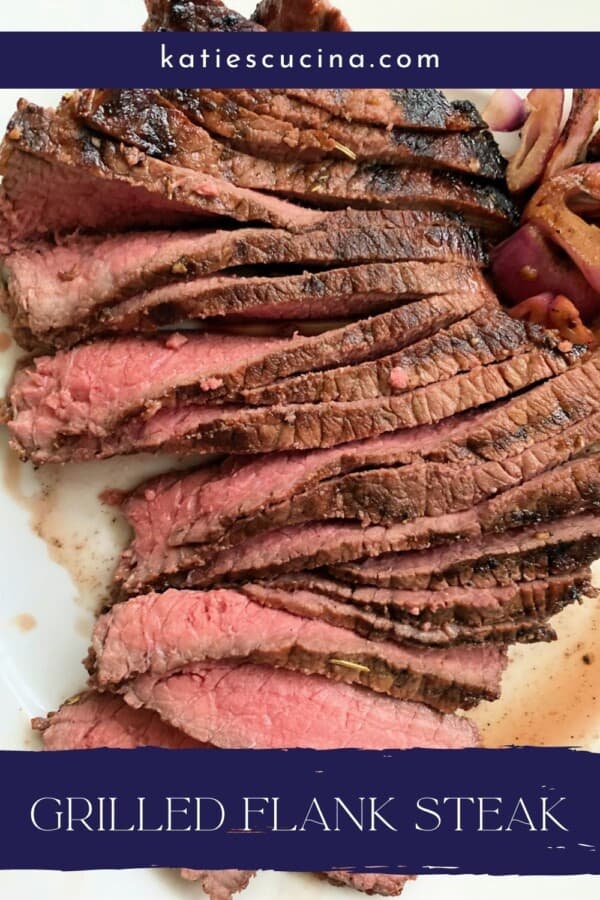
(93, 720)
(49, 288)
(270, 481)
(396, 494)
(188, 427)
(432, 618)
(538, 552)
(567, 490)
(424, 108)
(229, 116)
(162, 633)
(299, 15)
(95, 386)
(61, 177)
(227, 705)
(490, 335)
(128, 116)
(364, 289)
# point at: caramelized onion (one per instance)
(557, 208)
(539, 137)
(577, 132)
(556, 312)
(505, 111)
(527, 264)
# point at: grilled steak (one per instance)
(188, 427)
(195, 15)
(162, 633)
(537, 552)
(227, 705)
(408, 107)
(84, 387)
(94, 720)
(567, 490)
(363, 289)
(488, 336)
(503, 432)
(299, 15)
(263, 135)
(129, 116)
(48, 289)
(435, 618)
(59, 176)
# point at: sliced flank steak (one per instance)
(440, 618)
(564, 491)
(490, 335)
(61, 177)
(188, 427)
(162, 633)
(95, 387)
(48, 289)
(333, 293)
(227, 705)
(220, 884)
(555, 548)
(268, 137)
(369, 882)
(211, 509)
(328, 183)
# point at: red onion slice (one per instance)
(539, 137)
(557, 208)
(527, 264)
(577, 131)
(506, 111)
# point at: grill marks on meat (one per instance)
(195, 15)
(223, 506)
(95, 386)
(227, 705)
(49, 290)
(59, 177)
(538, 552)
(495, 436)
(299, 15)
(486, 337)
(567, 490)
(406, 107)
(441, 618)
(189, 427)
(363, 289)
(229, 118)
(325, 183)
(161, 633)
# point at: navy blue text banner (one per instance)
(515, 811)
(323, 60)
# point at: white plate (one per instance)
(58, 549)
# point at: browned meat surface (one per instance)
(538, 552)
(143, 121)
(162, 633)
(299, 15)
